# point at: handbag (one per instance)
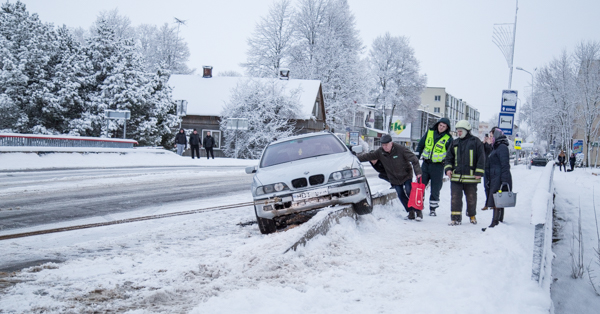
(506, 198)
(417, 192)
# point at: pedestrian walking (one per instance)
(562, 161)
(464, 164)
(572, 160)
(497, 171)
(195, 143)
(180, 142)
(433, 147)
(209, 143)
(396, 160)
(488, 142)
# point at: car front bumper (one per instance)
(347, 192)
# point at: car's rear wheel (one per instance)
(265, 226)
(365, 206)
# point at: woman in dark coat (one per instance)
(498, 169)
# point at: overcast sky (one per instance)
(452, 39)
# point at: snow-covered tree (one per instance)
(268, 108)
(268, 47)
(162, 47)
(327, 48)
(556, 100)
(587, 62)
(120, 24)
(397, 83)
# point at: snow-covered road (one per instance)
(206, 263)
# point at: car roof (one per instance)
(294, 137)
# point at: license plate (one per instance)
(310, 194)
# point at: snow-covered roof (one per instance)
(208, 96)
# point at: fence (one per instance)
(542, 205)
(38, 140)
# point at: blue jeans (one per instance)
(403, 192)
(181, 149)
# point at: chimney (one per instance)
(284, 74)
(207, 71)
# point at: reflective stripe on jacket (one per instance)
(435, 152)
(466, 159)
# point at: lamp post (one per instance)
(531, 122)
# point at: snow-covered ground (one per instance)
(207, 263)
(124, 158)
(575, 190)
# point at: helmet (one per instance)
(463, 124)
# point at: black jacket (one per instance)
(208, 142)
(497, 169)
(562, 159)
(572, 160)
(466, 159)
(194, 139)
(180, 138)
(436, 136)
(397, 163)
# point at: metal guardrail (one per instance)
(542, 243)
(37, 140)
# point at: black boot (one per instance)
(411, 214)
(495, 217)
(501, 215)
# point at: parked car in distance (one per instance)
(303, 173)
(539, 161)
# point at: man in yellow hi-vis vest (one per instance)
(433, 147)
(465, 165)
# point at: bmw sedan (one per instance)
(302, 173)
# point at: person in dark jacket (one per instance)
(497, 170)
(433, 147)
(396, 159)
(562, 161)
(572, 160)
(180, 142)
(209, 143)
(195, 143)
(488, 143)
(464, 164)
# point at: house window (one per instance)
(436, 110)
(216, 134)
(438, 98)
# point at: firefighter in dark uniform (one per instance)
(465, 165)
(433, 147)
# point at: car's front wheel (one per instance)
(265, 226)
(365, 206)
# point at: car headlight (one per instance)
(345, 174)
(271, 188)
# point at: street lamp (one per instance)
(531, 123)
(521, 69)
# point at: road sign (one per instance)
(237, 124)
(509, 101)
(505, 122)
(517, 143)
(117, 114)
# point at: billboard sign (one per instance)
(577, 146)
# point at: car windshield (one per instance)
(301, 148)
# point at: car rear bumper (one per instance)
(351, 191)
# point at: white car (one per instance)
(302, 173)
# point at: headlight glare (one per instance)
(336, 176)
(279, 186)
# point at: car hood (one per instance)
(289, 171)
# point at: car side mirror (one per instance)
(357, 149)
(251, 170)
